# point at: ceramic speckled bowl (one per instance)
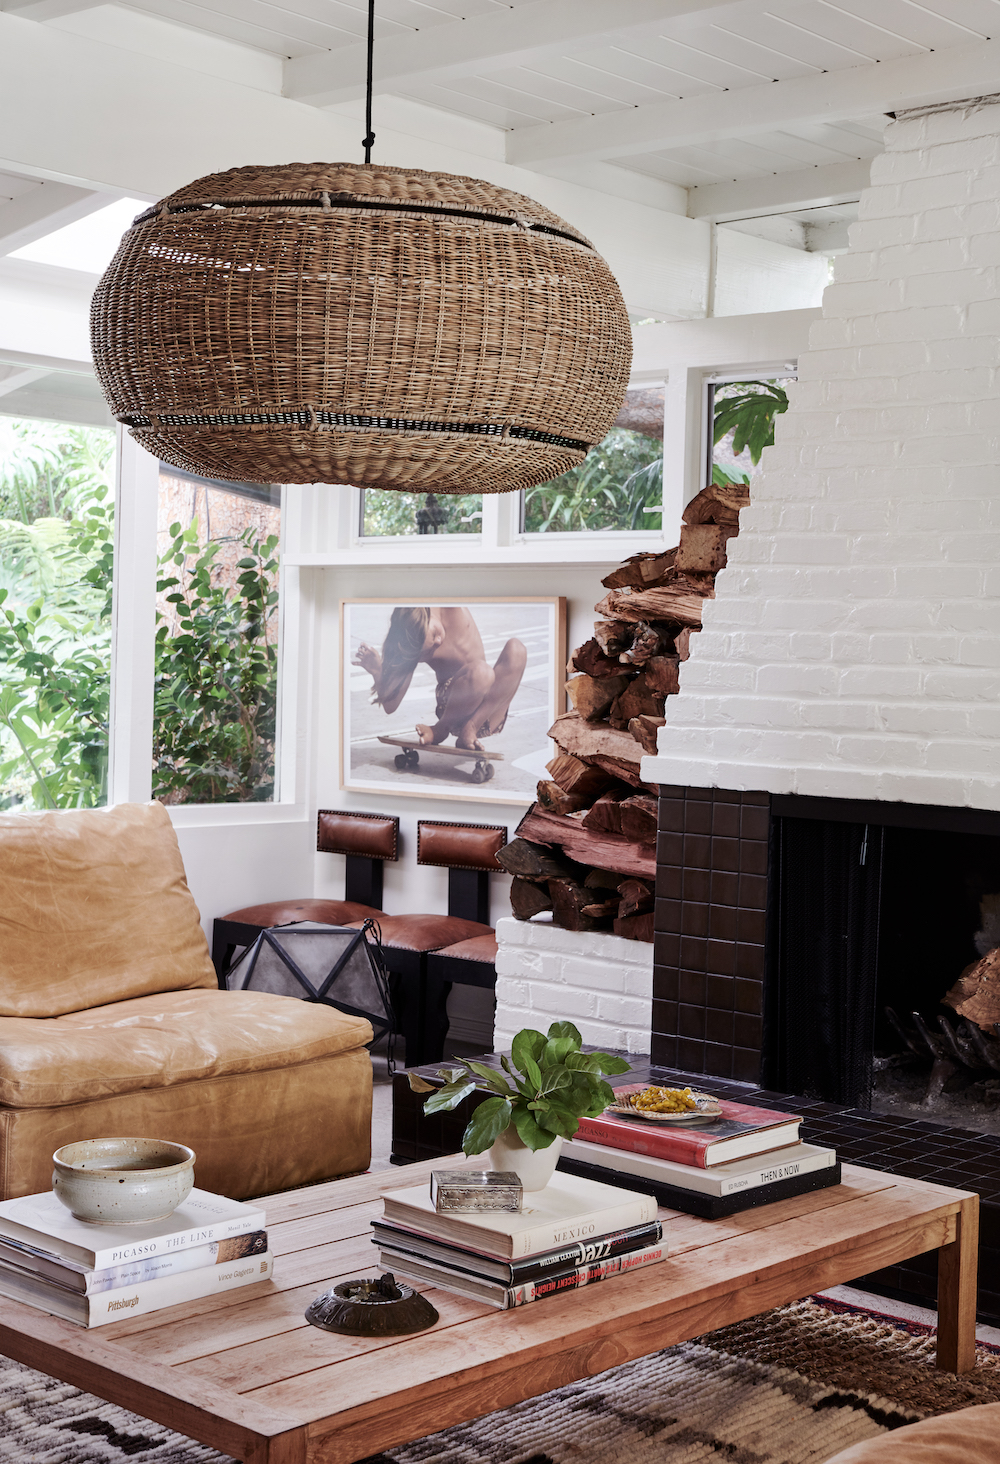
(122, 1181)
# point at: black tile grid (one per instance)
(708, 955)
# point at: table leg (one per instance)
(957, 1273)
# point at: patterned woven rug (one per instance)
(791, 1387)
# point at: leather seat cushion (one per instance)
(289, 912)
(969, 1436)
(479, 948)
(95, 909)
(160, 1041)
(426, 932)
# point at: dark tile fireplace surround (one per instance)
(768, 915)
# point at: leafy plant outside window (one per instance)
(744, 414)
(216, 681)
(390, 514)
(611, 489)
(56, 551)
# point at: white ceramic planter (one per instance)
(122, 1181)
(534, 1167)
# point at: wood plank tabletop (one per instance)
(246, 1374)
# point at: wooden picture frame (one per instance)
(487, 669)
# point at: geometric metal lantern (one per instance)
(320, 963)
(355, 323)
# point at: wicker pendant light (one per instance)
(354, 323)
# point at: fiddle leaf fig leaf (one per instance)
(490, 1077)
(566, 1029)
(530, 1132)
(527, 1044)
(448, 1097)
(486, 1125)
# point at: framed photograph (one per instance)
(453, 700)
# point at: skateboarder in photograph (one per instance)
(472, 698)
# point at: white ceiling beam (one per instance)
(500, 39)
(857, 91)
(47, 9)
(43, 209)
(779, 192)
(17, 379)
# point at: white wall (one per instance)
(853, 649)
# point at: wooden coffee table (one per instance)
(244, 1372)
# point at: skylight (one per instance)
(90, 243)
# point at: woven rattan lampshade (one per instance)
(350, 323)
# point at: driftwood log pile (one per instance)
(586, 850)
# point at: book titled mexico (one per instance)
(495, 1293)
(132, 1301)
(567, 1210)
(513, 1273)
(42, 1224)
(740, 1133)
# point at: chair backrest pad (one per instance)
(94, 908)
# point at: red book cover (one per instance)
(741, 1132)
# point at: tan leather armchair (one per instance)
(111, 1021)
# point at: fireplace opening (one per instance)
(871, 925)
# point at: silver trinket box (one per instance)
(475, 1189)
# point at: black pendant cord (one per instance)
(369, 138)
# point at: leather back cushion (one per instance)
(460, 846)
(94, 908)
(375, 835)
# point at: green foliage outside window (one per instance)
(745, 413)
(56, 537)
(612, 488)
(386, 514)
(216, 674)
(216, 678)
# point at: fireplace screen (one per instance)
(883, 982)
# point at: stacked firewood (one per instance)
(587, 849)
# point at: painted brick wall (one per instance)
(853, 649)
(602, 983)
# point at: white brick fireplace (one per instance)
(853, 649)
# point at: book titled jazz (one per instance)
(506, 1297)
(741, 1132)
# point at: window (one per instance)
(56, 545)
(617, 487)
(216, 670)
(742, 416)
(397, 515)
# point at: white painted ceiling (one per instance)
(721, 109)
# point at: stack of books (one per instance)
(93, 1274)
(570, 1234)
(748, 1157)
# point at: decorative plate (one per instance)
(707, 1111)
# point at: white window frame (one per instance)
(130, 778)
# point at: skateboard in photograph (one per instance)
(408, 759)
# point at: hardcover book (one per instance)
(708, 1206)
(133, 1301)
(722, 1179)
(42, 1224)
(566, 1211)
(512, 1273)
(146, 1268)
(569, 1278)
(741, 1132)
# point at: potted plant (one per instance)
(550, 1085)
